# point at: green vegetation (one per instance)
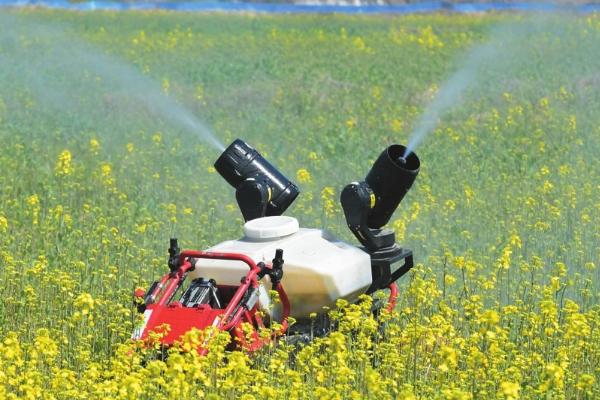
(503, 218)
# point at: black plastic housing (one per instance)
(390, 178)
(240, 163)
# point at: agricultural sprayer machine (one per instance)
(227, 286)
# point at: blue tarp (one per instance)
(199, 6)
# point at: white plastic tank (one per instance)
(318, 268)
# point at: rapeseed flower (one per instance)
(303, 176)
(64, 166)
(3, 224)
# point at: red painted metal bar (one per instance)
(232, 316)
(160, 286)
(233, 321)
(218, 256)
(174, 282)
(229, 319)
(285, 303)
(393, 297)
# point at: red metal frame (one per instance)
(162, 310)
(393, 297)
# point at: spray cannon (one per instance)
(369, 205)
(203, 288)
(260, 189)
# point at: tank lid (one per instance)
(271, 227)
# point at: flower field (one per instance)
(97, 171)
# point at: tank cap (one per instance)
(271, 227)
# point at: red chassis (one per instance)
(240, 305)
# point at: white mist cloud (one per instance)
(67, 74)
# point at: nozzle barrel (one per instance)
(241, 162)
(390, 178)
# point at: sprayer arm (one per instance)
(252, 197)
(357, 201)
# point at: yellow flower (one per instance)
(415, 209)
(64, 166)
(3, 223)
(449, 357)
(171, 209)
(85, 302)
(359, 43)
(427, 38)
(515, 240)
(303, 176)
(504, 260)
(449, 280)
(33, 200)
(399, 227)
(94, 146)
(396, 125)
(510, 390)
(327, 197)
(554, 378)
(586, 383)
(590, 266)
(490, 317)
(106, 174)
(45, 345)
(141, 228)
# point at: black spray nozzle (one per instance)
(276, 270)
(369, 205)
(261, 190)
(390, 178)
(174, 251)
(277, 267)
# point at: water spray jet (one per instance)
(69, 75)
